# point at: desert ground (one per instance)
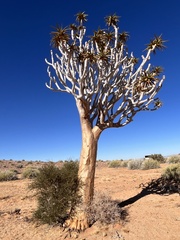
(150, 216)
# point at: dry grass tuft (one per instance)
(104, 209)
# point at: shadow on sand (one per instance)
(159, 186)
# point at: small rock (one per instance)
(16, 211)
(74, 235)
(104, 234)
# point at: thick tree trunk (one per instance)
(87, 161)
(87, 165)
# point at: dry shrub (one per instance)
(104, 209)
(134, 164)
(117, 163)
(168, 183)
(158, 157)
(19, 166)
(8, 175)
(150, 164)
(114, 164)
(30, 172)
(174, 159)
(172, 173)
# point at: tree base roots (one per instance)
(78, 223)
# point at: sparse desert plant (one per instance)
(57, 192)
(150, 164)
(135, 164)
(168, 183)
(30, 162)
(158, 157)
(19, 166)
(104, 209)
(172, 173)
(115, 164)
(8, 175)
(174, 159)
(124, 163)
(16, 171)
(30, 172)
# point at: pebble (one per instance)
(74, 235)
(104, 234)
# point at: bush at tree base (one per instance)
(105, 210)
(57, 192)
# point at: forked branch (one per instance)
(102, 74)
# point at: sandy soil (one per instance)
(150, 217)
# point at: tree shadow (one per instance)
(159, 186)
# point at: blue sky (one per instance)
(38, 124)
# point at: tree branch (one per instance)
(103, 75)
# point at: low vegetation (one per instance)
(145, 164)
(153, 161)
(150, 164)
(8, 175)
(30, 172)
(117, 163)
(174, 159)
(135, 164)
(57, 192)
(104, 209)
(172, 172)
(158, 157)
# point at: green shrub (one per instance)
(104, 209)
(134, 164)
(174, 159)
(172, 172)
(8, 175)
(150, 164)
(158, 157)
(30, 172)
(57, 192)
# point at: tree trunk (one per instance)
(87, 161)
(87, 164)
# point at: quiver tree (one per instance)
(110, 86)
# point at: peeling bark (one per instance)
(88, 155)
(87, 166)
